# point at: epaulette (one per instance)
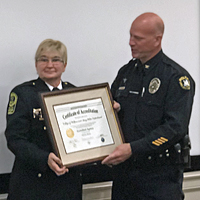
(28, 83)
(184, 79)
(172, 63)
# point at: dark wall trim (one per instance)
(94, 174)
(4, 181)
(195, 164)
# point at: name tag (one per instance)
(133, 92)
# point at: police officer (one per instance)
(37, 172)
(154, 97)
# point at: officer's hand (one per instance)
(119, 155)
(116, 106)
(56, 165)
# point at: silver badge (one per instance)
(154, 85)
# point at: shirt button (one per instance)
(149, 157)
(39, 175)
(45, 128)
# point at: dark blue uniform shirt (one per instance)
(27, 138)
(156, 101)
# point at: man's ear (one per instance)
(158, 40)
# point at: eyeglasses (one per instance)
(44, 60)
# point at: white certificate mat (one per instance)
(83, 125)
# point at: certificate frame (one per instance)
(51, 100)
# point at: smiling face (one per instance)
(50, 67)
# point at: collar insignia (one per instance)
(124, 79)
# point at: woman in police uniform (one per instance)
(37, 172)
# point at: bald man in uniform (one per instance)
(153, 96)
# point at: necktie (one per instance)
(55, 88)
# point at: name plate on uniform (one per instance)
(82, 124)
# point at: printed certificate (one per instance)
(82, 124)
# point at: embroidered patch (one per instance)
(154, 85)
(184, 82)
(12, 103)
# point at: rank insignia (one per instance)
(154, 85)
(160, 141)
(184, 82)
(12, 103)
(37, 113)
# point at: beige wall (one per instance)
(102, 191)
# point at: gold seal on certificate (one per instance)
(70, 133)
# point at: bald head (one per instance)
(151, 21)
(145, 36)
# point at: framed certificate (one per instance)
(82, 125)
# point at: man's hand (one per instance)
(116, 106)
(56, 165)
(119, 155)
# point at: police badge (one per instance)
(37, 113)
(154, 85)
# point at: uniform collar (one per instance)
(51, 87)
(43, 87)
(150, 63)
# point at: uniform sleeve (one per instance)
(18, 133)
(177, 112)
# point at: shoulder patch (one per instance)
(184, 82)
(12, 103)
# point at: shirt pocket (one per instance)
(152, 100)
(150, 110)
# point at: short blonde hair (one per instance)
(52, 45)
